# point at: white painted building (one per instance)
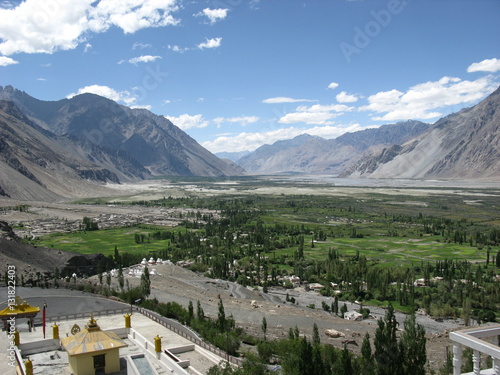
(484, 342)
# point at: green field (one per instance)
(390, 250)
(104, 241)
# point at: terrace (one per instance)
(484, 341)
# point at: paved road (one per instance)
(61, 301)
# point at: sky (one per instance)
(237, 74)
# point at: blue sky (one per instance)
(237, 74)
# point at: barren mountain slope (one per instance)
(34, 165)
(463, 145)
(308, 154)
(156, 143)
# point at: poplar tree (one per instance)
(264, 327)
(413, 347)
(221, 317)
(387, 353)
(145, 283)
(367, 356)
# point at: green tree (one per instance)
(190, 311)
(221, 317)
(264, 327)
(346, 362)
(145, 283)
(315, 339)
(200, 314)
(252, 366)
(89, 224)
(99, 271)
(117, 256)
(386, 345)
(413, 347)
(367, 356)
(121, 280)
(343, 310)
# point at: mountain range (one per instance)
(54, 149)
(152, 140)
(50, 150)
(312, 154)
(463, 145)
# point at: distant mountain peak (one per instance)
(312, 154)
(461, 145)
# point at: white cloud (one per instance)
(142, 59)
(176, 48)
(210, 43)
(4, 61)
(41, 79)
(131, 15)
(186, 121)
(420, 100)
(35, 26)
(488, 65)
(325, 108)
(283, 99)
(254, 4)
(344, 97)
(138, 45)
(316, 114)
(314, 117)
(107, 92)
(333, 85)
(214, 15)
(147, 106)
(242, 120)
(251, 141)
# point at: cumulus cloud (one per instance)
(422, 100)
(333, 85)
(308, 117)
(141, 59)
(283, 99)
(107, 92)
(488, 65)
(242, 120)
(4, 61)
(344, 97)
(210, 43)
(317, 114)
(45, 27)
(214, 15)
(251, 141)
(186, 121)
